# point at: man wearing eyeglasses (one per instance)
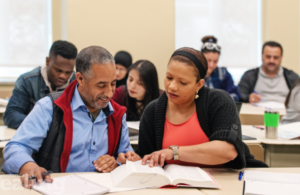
(270, 82)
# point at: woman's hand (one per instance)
(158, 157)
(131, 156)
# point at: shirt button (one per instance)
(93, 143)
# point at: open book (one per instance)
(270, 183)
(136, 175)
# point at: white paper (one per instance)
(271, 105)
(289, 131)
(270, 183)
(105, 180)
(136, 175)
(3, 102)
(135, 125)
(70, 185)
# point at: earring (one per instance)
(196, 96)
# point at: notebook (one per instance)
(246, 137)
(136, 175)
(70, 185)
(270, 183)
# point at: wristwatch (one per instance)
(175, 151)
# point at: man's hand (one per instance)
(158, 157)
(29, 169)
(254, 98)
(105, 163)
(131, 156)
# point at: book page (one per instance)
(104, 179)
(186, 172)
(189, 175)
(70, 185)
(138, 167)
(139, 176)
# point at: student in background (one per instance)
(123, 61)
(292, 104)
(270, 82)
(217, 77)
(191, 124)
(36, 84)
(142, 87)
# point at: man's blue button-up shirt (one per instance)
(90, 137)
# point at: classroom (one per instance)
(141, 97)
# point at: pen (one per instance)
(43, 174)
(254, 92)
(241, 175)
(4, 140)
(258, 127)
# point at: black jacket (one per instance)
(248, 82)
(217, 116)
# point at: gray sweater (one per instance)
(249, 79)
(293, 109)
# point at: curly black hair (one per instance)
(63, 48)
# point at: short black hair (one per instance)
(63, 48)
(272, 44)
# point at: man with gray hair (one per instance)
(78, 130)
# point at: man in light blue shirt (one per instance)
(78, 130)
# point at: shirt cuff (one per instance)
(20, 161)
(118, 163)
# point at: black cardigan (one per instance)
(217, 116)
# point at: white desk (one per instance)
(227, 178)
(2, 109)
(17, 189)
(252, 115)
(278, 152)
(6, 133)
(230, 185)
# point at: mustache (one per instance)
(272, 64)
(102, 97)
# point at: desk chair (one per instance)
(257, 151)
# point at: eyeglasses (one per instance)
(211, 46)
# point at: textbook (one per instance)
(270, 183)
(136, 175)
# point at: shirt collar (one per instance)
(262, 73)
(78, 103)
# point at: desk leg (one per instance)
(268, 154)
